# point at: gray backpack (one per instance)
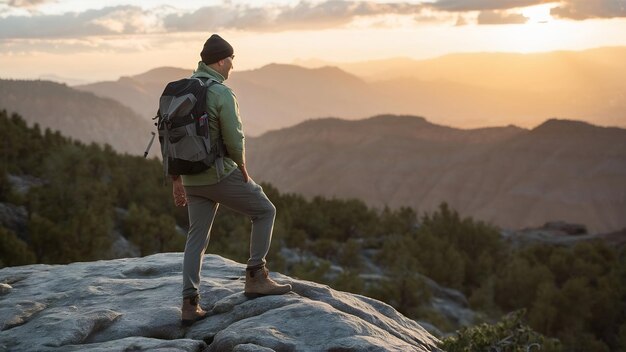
(183, 128)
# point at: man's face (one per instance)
(227, 66)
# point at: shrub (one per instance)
(508, 335)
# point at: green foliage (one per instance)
(511, 292)
(325, 248)
(152, 233)
(459, 253)
(582, 306)
(350, 255)
(7, 192)
(576, 294)
(471, 249)
(508, 335)
(230, 235)
(622, 336)
(310, 270)
(396, 222)
(76, 201)
(5, 187)
(404, 290)
(349, 281)
(483, 298)
(14, 251)
(23, 148)
(47, 240)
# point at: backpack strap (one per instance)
(164, 147)
(219, 158)
(204, 80)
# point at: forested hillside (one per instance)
(85, 193)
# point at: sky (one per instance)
(93, 40)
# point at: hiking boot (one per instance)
(258, 283)
(191, 311)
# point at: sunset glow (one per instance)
(538, 14)
(90, 41)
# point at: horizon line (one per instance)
(323, 63)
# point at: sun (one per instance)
(538, 13)
(541, 32)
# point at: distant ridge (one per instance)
(312, 75)
(514, 177)
(560, 126)
(465, 90)
(159, 74)
(77, 114)
(141, 92)
(393, 128)
(65, 80)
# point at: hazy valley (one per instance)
(461, 90)
(511, 176)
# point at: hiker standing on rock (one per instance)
(225, 182)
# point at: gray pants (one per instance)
(203, 201)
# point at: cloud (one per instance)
(69, 46)
(26, 3)
(460, 21)
(123, 20)
(585, 9)
(302, 16)
(499, 17)
(480, 5)
(336, 13)
(107, 21)
(571, 9)
(216, 17)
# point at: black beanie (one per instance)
(215, 49)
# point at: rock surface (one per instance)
(561, 233)
(13, 218)
(134, 304)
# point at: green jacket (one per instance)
(223, 113)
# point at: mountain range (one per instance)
(461, 90)
(512, 176)
(509, 176)
(77, 114)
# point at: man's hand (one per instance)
(180, 198)
(246, 178)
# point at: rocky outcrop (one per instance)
(561, 233)
(13, 217)
(565, 228)
(23, 183)
(134, 304)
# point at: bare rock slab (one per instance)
(134, 304)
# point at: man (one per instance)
(226, 182)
